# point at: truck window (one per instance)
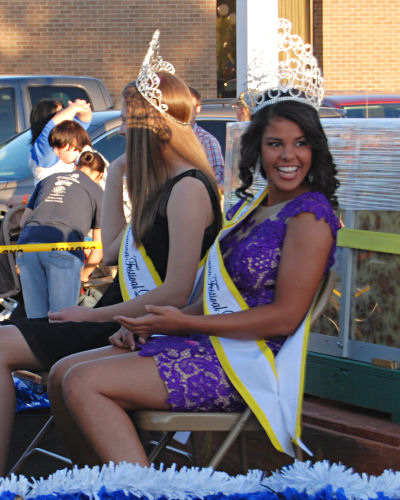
(7, 113)
(110, 145)
(14, 158)
(62, 93)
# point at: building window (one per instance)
(226, 48)
(299, 13)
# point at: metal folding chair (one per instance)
(235, 424)
(33, 448)
(10, 284)
(9, 280)
(41, 378)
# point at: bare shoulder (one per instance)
(189, 188)
(306, 228)
(190, 200)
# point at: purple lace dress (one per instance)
(189, 366)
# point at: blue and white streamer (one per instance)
(300, 481)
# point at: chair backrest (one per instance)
(9, 279)
(323, 295)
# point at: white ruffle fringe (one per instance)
(186, 484)
(144, 482)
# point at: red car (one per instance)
(365, 106)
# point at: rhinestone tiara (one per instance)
(296, 75)
(147, 81)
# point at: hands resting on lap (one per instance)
(161, 320)
(166, 320)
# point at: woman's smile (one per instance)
(288, 173)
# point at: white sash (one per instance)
(272, 387)
(136, 271)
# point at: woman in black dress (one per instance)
(176, 216)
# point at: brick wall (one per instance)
(356, 41)
(358, 44)
(108, 38)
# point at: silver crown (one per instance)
(147, 81)
(296, 75)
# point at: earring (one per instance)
(258, 164)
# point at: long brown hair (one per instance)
(148, 134)
(41, 113)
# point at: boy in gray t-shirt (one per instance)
(64, 207)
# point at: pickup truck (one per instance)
(19, 93)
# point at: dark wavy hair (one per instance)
(41, 113)
(322, 174)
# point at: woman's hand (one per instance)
(162, 319)
(73, 313)
(79, 106)
(126, 339)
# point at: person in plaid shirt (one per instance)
(209, 142)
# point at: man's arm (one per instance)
(25, 216)
(41, 152)
(93, 259)
(213, 150)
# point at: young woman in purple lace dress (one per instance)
(276, 257)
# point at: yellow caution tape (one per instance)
(353, 238)
(51, 247)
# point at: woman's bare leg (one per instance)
(80, 450)
(15, 354)
(98, 392)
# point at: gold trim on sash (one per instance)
(122, 285)
(146, 272)
(246, 395)
(247, 206)
(224, 359)
(275, 399)
(302, 377)
(136, 271)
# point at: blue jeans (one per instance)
(49, 280)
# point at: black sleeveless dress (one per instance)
(53, 341)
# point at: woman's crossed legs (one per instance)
(90, 393)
